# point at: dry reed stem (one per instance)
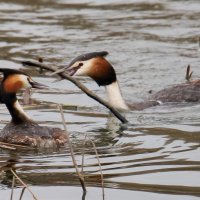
(20, 180)
(100, 168)
(83, 155)
(22, 193)
(3, 146)
(11, 146)
(13, 185)
(72, 151)
(79, 85)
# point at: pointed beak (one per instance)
(72, 70)
(69, 70)
(37, 85)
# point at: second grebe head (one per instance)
(22, 129)
(15, 80)
(93, 65)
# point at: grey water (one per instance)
(150, 44)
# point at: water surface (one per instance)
(150, 45)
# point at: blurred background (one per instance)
(150, 44)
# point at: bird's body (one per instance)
(100, 70)
(31, 134)
(22, 129)
(184, 92)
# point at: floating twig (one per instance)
(10, 146)
(79, 85)
(20, 180)
(3, 146)
(22, 193)
(13, 185)
(188, 73)
(72, 151)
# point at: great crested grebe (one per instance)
(100, 70)
(22, 129)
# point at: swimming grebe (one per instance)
(22, 129)
(99, 69)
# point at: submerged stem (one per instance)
(71, 150)
(20, 180)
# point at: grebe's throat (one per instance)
(115, 97)
(17, 113)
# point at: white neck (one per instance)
(115, 97)
(20, 109)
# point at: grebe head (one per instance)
(15, 80)
(22, 129)
(100, 70)
(93, 65)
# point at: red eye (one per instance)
(80, 64)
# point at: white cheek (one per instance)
(26, 83)
(85, 69)
(81, 72)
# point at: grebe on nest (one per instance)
(100, 70)
(22, 129)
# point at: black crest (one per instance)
(7, 71)
(88, 56)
